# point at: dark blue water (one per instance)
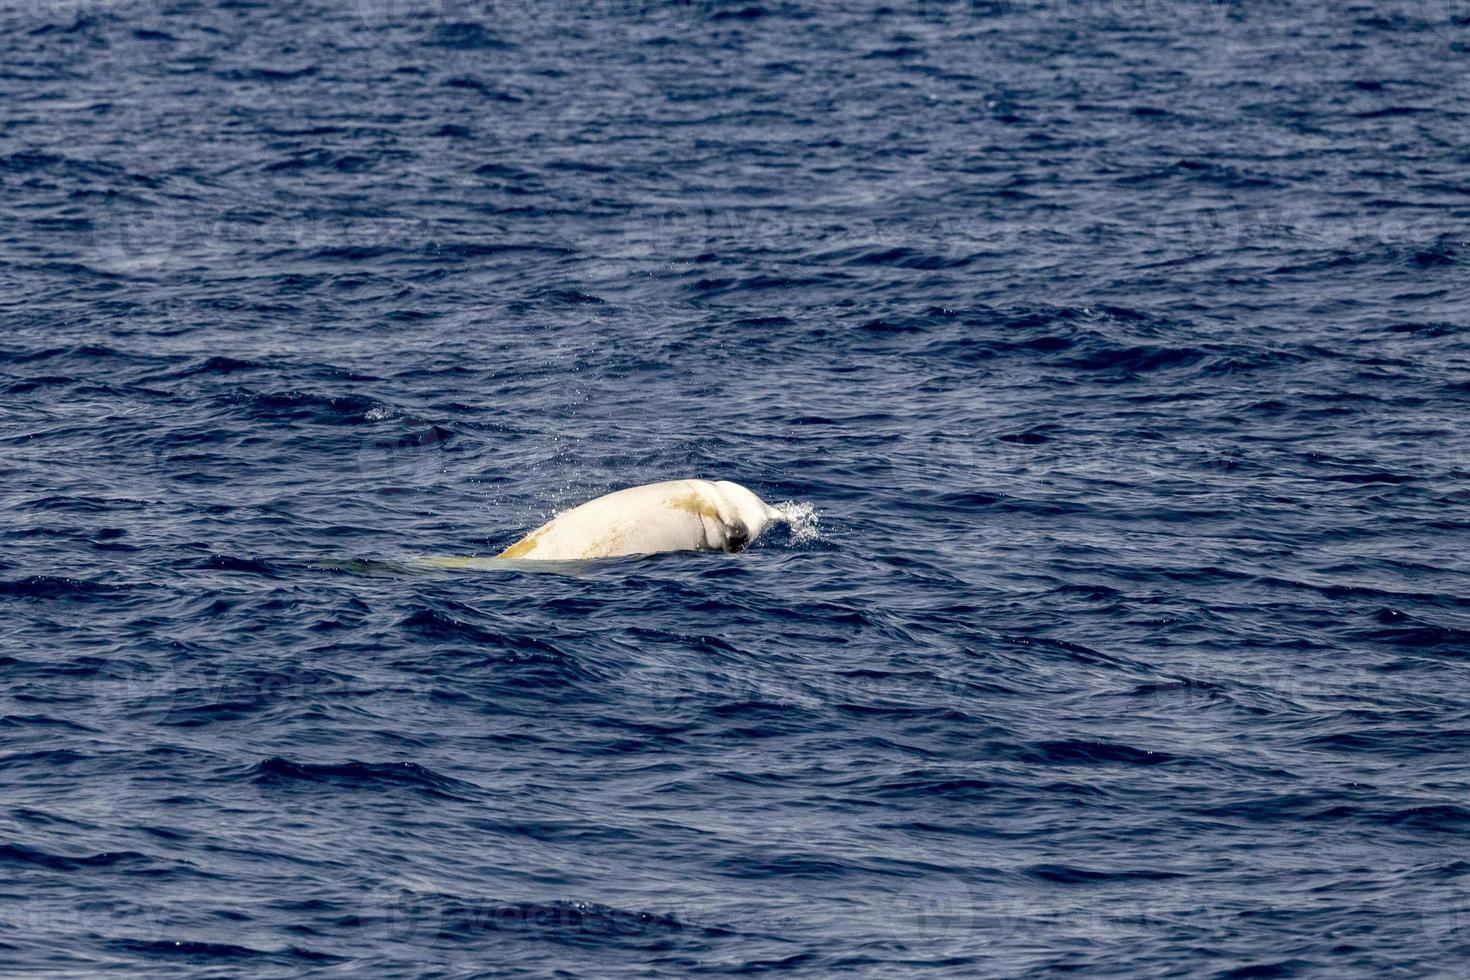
(1121, 348)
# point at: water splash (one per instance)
(803, 519)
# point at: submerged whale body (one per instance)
(679, 515)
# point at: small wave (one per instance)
(1136, 360)
(968, 500)
(1362, 478)
(231, 563)
(1032, 438)
(469, 82)
(212, 951)
(191, 948)
(56, 587)
(20, 854)
(277, 770)
(299, 406)
(784, 867)
(1426, 330)
(942, 786)
(749, 12)
(216, 365)
(268, 74)
(576, 918)
(1081, 752)
(467, 36)
(1066, 874)
(42, 721)
(436, 625)
(432, 436)
(1398, 629)
(1442, 817)
(909, 258)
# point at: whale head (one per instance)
(744, 515)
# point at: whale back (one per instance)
(678, 515)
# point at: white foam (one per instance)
(803, 520)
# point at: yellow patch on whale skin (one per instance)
(524, 545)
(695, 503)
(609, 544)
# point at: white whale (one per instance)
(679, 515)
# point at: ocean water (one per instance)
(1118, 349)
